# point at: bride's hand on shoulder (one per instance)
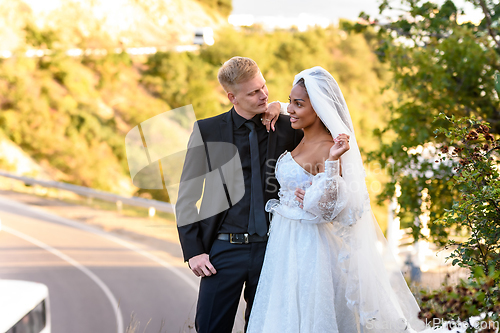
(270, 117)
(340, 147)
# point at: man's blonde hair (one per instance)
(237, 70)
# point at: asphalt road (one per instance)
(97, 281)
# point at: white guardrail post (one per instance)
(151, 205)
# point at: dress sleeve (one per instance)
(327, 195)
(283, 107)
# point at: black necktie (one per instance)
(257, 222)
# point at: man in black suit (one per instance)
(225, 240)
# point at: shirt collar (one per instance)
(239, 121)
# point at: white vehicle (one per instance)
(204, 36)
(24, 307)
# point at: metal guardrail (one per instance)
(152, 205)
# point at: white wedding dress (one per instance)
(302, 286)
(305, 285)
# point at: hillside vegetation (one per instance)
(71, 115)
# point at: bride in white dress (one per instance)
(325, 268)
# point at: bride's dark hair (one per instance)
(302, 83)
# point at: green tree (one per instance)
(475, 213)
(181, 79)
(224, 7)
(46, 38)
(438, 65)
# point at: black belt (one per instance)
(242, 238)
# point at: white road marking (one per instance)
(187, 279)
(85, 270)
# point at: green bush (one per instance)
(474, 215)
(473, 304)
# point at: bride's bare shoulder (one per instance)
(325, 147)
(322, 153)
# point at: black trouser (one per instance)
(219, 295)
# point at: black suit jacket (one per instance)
(205, 176)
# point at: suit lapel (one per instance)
(226, 134)
(226, 128)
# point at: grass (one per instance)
(134, 325)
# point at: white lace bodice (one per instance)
(325, 192)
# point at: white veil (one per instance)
(375, 289)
